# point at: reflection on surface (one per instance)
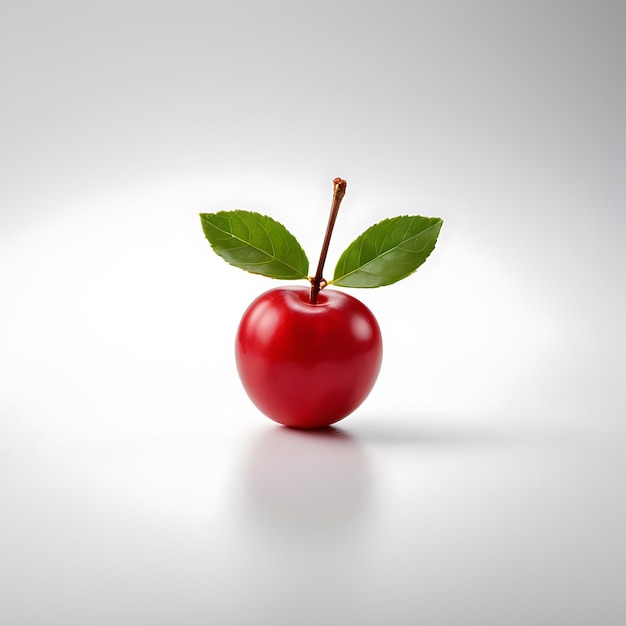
(306, 481)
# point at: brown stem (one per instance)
(339, 191)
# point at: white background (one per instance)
(483, 480)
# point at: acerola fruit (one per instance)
(308, 365)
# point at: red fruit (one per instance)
(308, 365)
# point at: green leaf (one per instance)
(387, 252)
(255, 243)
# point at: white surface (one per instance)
(482, 482)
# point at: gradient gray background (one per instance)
(483, 481)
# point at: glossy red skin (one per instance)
(308, 365)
